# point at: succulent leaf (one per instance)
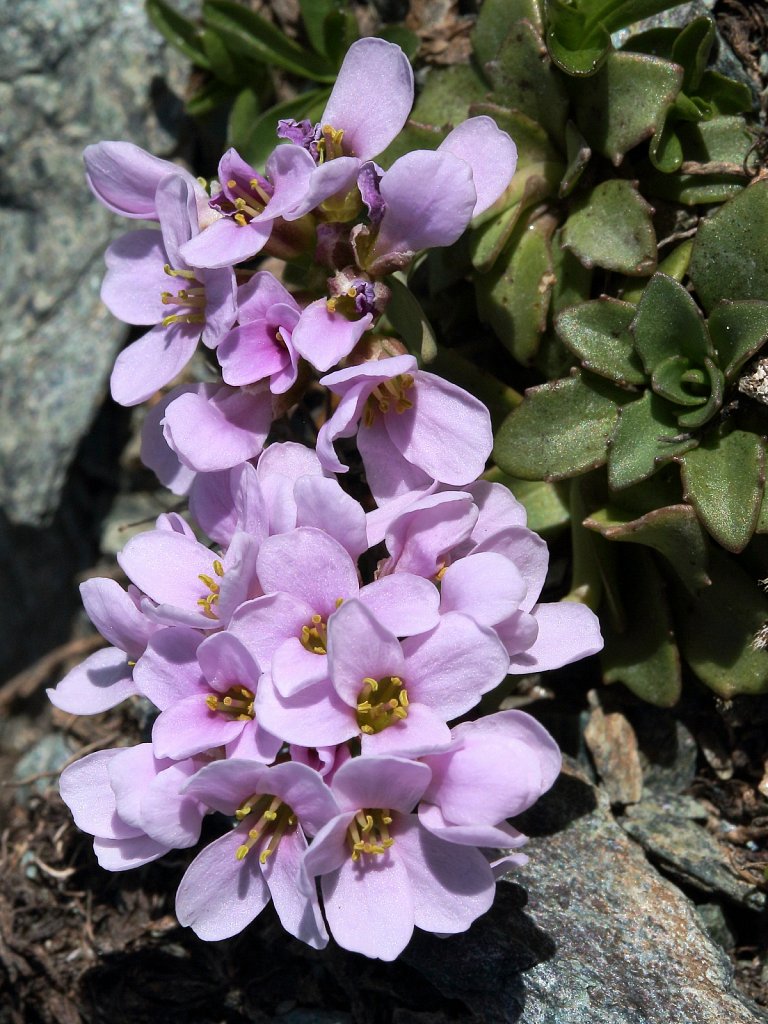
(738, 330)
(730, 256)
(561, 429)
(724, 479)
(625, 102)
(598, 333)
(669, 323)
(646, 436)
(612, 228)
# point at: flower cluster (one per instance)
(309, 667)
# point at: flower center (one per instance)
(368, 832)
(242, 201)
(211, 598)
(271, 817)
(314, 636)
(381, 703)
(192, 298)
(237, 702)
(390, 394)
(329, 145)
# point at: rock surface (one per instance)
(72, 72)
(602, 939)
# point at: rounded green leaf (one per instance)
(625, 102)
(646, 436)
(514, 297)
(715, 384)
(717, 626)
(669, 323)
(448, 94)
(598, 333)
(724, 479)
(730, 255)
(612, 228)
(738, 330)
(560, 429)
(523, 81)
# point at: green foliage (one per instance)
(660, 349)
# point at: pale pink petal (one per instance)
(528, 552)
(359, 647)
(294, 667)
(490, 153)
(310, 566)
(190, 727)
(314, 717)
(299, 914)
(371, 98)
(152, 362)
(486, 586)
(322, 503)
(264, 624)
(135, 279)
(450, 668)
(324, 338)
(169, 671)
(447, 432)
(500, 837)
(123, 854)
(403, 603)
(423, 732)
(115, 615)
(369, 906)
(85, 789)
(100, 682)
(389, 476)
(219, 431)
(125, 177)
(451, 885)
(225, 243)
(394, 783)
(220, 895)
(568, 632)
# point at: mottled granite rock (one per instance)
(72, 72)
(602, 938)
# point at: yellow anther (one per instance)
(403, 698)
(367, 729)
(373, 683)
(352, 292)
(218, 568)
(240, 220)
(212, 701)
(441, 572)
(317, 619)
(253, 833)
(270, 815)
(339, 602)
(365, 706)
(231, 183)
(265, 854)
(386, 818)
(243, 812)
(190, 275)
(242, 852)
(187, 318)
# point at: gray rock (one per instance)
(603, 939)
(686, 850)
(72, 72)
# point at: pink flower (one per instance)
(394, 696)
(132, 804)
(381, 872)
(148, 281)
(416, 427)
(232, 880)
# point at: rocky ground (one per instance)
(644, 899)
